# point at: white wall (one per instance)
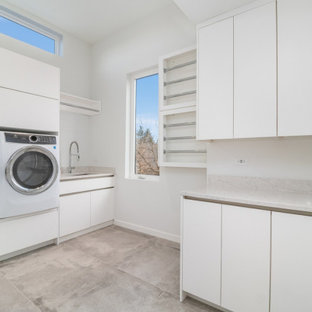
(75, 65)
(289, 158)
(145, 203)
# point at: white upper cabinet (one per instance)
(25, 74)
(237, 75)
(215, 81)
(255, 73)
(295, 67)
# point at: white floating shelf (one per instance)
(79, 105)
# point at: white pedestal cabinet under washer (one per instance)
(29, 173)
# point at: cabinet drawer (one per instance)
(83, 185)
(20, 233)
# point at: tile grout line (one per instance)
(116, 268)
(23, 294)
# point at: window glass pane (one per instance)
(25, 34)
(146, 125)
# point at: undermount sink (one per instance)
(86, 173)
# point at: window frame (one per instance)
(131, 125)
(39, 28)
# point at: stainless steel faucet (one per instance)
(71, 154)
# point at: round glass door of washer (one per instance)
(31, 170)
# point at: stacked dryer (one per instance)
(29, 152)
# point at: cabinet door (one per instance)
(102, 206)
(295, 67)
(215, 81)
(255, 77)
(74, 213)
(245, 259)
(201, 249)
(21, 73)
(291, 263)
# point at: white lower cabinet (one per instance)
(102, 206)
(201, 256)
(245, 259)
(291, 263)
(27, 231)
(82, 210)
(74, 213)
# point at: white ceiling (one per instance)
(200, 10)
(90, 20)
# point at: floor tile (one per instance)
(110, 270)
(157, 263)
(12, 300)
(111, 245)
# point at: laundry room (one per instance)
(155, 155)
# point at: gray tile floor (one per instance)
(110, 270)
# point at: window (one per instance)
(28, 31)
(143, 125)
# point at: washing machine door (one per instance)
(31, 170)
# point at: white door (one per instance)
(245, 259)
(201, 249)
(255, 78)
(215, 81)
(291, 263)
(102, 206)
(74, 213)
(295, 67)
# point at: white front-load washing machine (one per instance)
(29, 173)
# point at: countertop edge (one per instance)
(86, 177)
(249, 203)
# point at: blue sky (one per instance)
(27, 35)
(147, 103)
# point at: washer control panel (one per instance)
(25, 138)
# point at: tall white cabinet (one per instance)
(295, 67)
(237, 75)
(28, 88)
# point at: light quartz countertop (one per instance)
(290, 196)
(87, 172)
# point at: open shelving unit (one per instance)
(178, 146)
(76, 104)
(178, 80)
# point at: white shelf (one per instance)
(178, 79)
(79, 105)
(177, 143)
(178, 146)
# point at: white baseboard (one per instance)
(86, 231)
(28, 249)
(147, 230)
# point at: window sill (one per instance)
(144, 178)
